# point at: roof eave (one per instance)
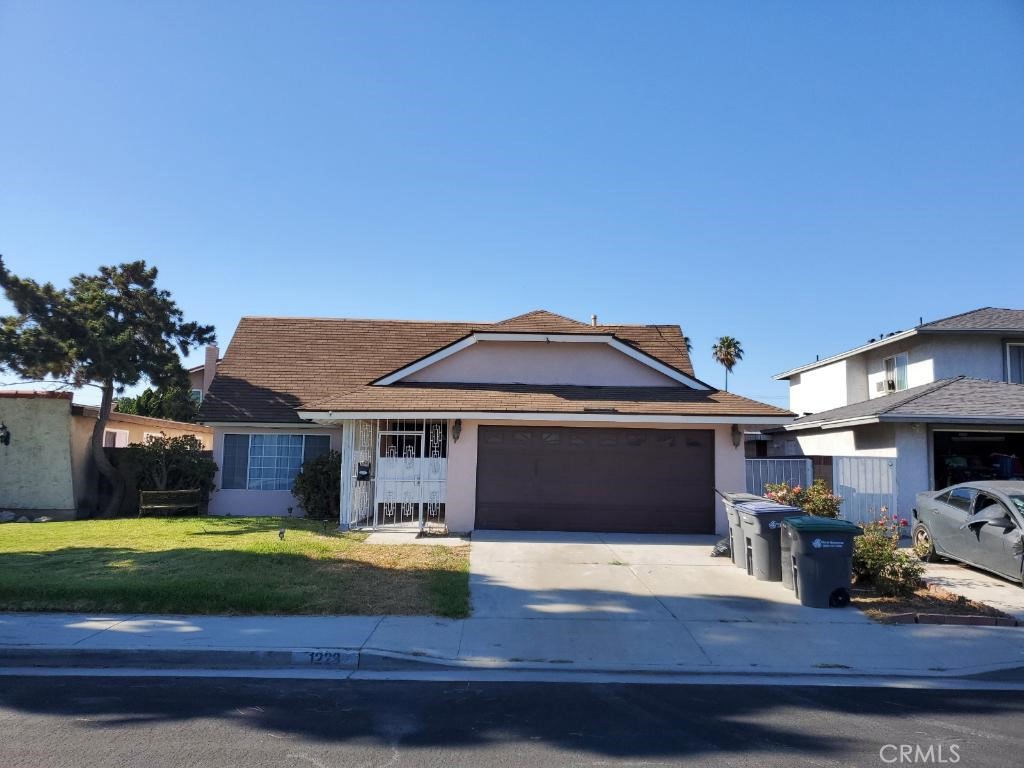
(761, 419)
(844, 355)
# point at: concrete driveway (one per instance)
(624, 577)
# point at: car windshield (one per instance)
(1018, 502)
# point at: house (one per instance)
(944, 399)
(534, 422)
(46, 464)
(201, 376)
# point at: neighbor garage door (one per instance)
(583, 479)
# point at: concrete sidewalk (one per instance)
(650, 646)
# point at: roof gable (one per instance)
(584, 359)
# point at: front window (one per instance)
(1015, 363)
(896, 373)
(115, 438)
(1018, 502)
(268, 462)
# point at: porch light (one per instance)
(737, 435)
(456, 430)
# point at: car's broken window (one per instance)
(1018, 501)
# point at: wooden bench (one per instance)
(166, 502)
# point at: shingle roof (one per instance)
(985, 319)
(274, 365)
(527, 398)
(960, 397)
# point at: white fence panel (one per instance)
(763, 471)
(867, 485)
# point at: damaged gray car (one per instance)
(979, 523)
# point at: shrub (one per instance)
(172, 464)
(877, 558)
(816, 499)
(318, 486)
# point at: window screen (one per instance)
(316, 445)
(236, 461)
(1015, 358)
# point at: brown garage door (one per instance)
(588, 479)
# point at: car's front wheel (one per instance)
(923, 545)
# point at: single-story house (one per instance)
(536, 422)
(46, 464)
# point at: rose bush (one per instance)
(877, 557)
(816, 499)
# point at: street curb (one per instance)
(376, 660)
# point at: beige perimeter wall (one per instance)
(35, 469)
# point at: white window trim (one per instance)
(118, 434)
(248, 455)
(1008, 345)
(895, 368)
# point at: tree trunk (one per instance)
(100, 457)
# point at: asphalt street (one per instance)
(84, 722)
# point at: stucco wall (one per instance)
(35, 469)
(590, 364)
(866, 440)
(460, 509)
(239, 502)
(913, 464)
(819, 389)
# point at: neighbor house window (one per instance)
(1015, 363)
(115, 438)
(268, 462)
(197, 396)
(896, 373)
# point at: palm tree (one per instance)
(728, 352)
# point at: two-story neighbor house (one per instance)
(945, 399)
(535, 422)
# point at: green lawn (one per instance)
(224, 566)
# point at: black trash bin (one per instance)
(821, 559)
(736, 546)
(761, 523)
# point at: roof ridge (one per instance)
(538, 312)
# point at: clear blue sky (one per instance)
(800, 175)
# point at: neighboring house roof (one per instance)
(274, 366)
(960, 399)
(36, 394)
(984, 320)
(533, 398)
(116, 417)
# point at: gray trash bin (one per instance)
(761, 525)
(821, 559)
(736, 548)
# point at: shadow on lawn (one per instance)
(231, 581)
(317, 720)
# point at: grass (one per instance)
(215, 565)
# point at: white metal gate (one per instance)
(398, 473)
(760, 472)
(867, 485)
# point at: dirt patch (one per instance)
(927, 605)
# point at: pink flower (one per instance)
(904, 521)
